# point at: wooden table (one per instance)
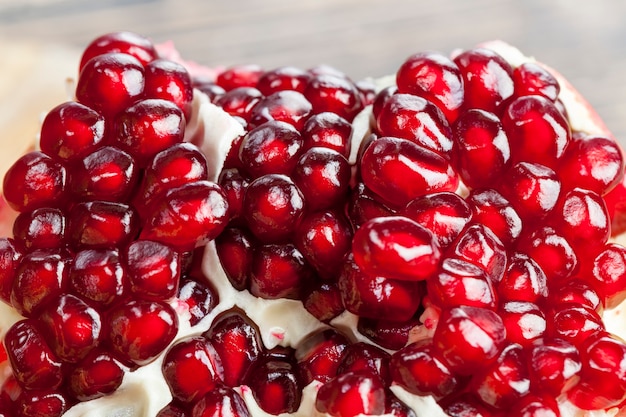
(40, 41)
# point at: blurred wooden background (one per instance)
(40, 40)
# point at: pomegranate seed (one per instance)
(212, 90)
(70, 131)
(328, 130)
(34, 180)
(480, 246)
(172, 410)
(170, 81)
(378, 297)
(110, 82)
(283, 78)
(395, 247)
(576, 291)
(234, 185)
(616, 204)
(34, 364)
(124, 42)
(328, 92)
(381, 98)
(574, 323)
(445, 214)
(199, 297)
(524, 322)
(320, 354)
(456, 335)
(467, 405)
(481, 148)
(364, 357)
(396, 408)
(275, 385)
(286, 106)
(139, 330)
(531, 78)
(388, 334)
(352, 394)
(535, 406)
(10, 256)
(273, 206)
(188, 216)
(239, 76)
(418, 369)
(506, 380)
(240, 101)
(554, 366)
(608, 274)
(323, 301)
(551, 251)
(220, 402)
(235, 248)
(416, 119)
(399, 171)
(491, 209)
(98, 276)
(595, 163)
(102, 224)
(97, 375)
(42, 228)
(153, 269)
(434, 77)
(364, 205)
(237, 341)
(460, 282)
(524, 280)
(279, 271)
(44, 403)
(40, 278)
(487, 79)
(148, 127)
(192, 367)
(323, 176)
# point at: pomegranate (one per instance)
(292, 242)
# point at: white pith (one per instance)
(286, 322)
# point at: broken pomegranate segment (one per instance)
(291, 242)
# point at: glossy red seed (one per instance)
(210, 88)
(595, 163)
(436, 78)
(110, 82)
(235, 249)
(40, 278)
(487, 79)
(73, 328)
(43, 403)
(286, 106)
(480, 246)
(42, 228)
(170, 81)
(328, 130)
(574, 323)
(34, 364)
(328, 92)
(457, 334)
(239, 102)
(397, 248)
(234, 185)
(139, 330)
(602, 383)
(237, 341)
(192, 367)
(609, 273)
(275, 385)
(459, 282)
(399, 171)
(524, 322)
(576, 291)
(97, 275)
(365, 357)
(323, 175)
(351, 394)
(467, 405)
(506, 380)
(323, 300)
(108, 174)
(125, 42)
(279, 271)
(523, 280)
(418, 369)
(271, 148)
(364, 205)
(535, 406)
(481, 148)
(416, 119)
(220, 402)
(245, 75)
(554, 366)
(199, 297)
(283, 78)
(34, 180)
(273, 206)
(551, 251)
(537, 130)
(490, 208)
(531, 78)
(188, 216)
(381, 98)
(70, 131)
(153, 269)
(386, 333)
(149, 127)
(95, 376)
(10, 255)
(378, 297)
(102, 224)
(445, 214)
(319, 355)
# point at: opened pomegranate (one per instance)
(290, 241)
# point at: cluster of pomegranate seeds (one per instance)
(97, 254)
(465, 255)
